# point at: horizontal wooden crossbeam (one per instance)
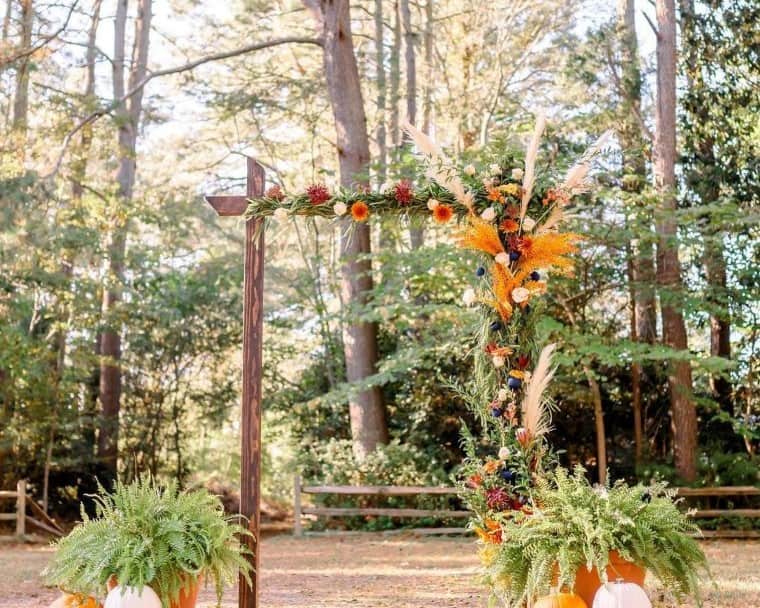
(228, 205)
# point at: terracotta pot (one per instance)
(587, 582)
(187, 596)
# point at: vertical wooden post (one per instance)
(297, 528)
(250, 429)
(21, 509)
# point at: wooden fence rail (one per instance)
(687, 493)
(23, 501)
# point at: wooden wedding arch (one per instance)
(253, 326)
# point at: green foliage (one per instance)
(146, 534)
(576, 525)
(332, 462)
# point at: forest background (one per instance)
(121, 292)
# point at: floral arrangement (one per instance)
(538, 526)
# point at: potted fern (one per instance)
(147, 535)
(572, 535)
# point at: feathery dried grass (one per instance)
(535, 413)
(440, 168)
(530, 164)
(576, 179)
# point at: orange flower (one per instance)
(442, 213)
(360, 211)
(492, 534)
(491, 466)
(495, 196)
(509, 225)
(498, 351)
(556, 196)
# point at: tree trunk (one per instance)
(684, 418)
(416, 231)
(127, 116)
(382, 148)
(395, 84)
(641, 273)
(601, 436)
(427, 100)
(21, 97)
(708, 190)
(367, 411)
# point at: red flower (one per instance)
(275, 193)
(403, 193)
(474, 481)
(522, 361)
(498, 499)
(509, 225)
(318, 194)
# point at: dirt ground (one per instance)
(380, 572)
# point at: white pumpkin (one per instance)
(131, 597)
(621, 595)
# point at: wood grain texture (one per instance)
(228, 205)
(253, 327)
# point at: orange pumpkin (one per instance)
(561, 600)
(75, 600)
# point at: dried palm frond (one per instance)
(530, 164)
(481, 236)
(503, 284)
(546, 251)
(555, 218)
(535, 413)
(576, 178)
(440, 168)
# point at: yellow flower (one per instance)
(511, 189)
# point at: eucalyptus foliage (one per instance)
(146, 534)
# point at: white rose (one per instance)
(520, 294)
(281, 214)
(503, 453)
(489, 214)
(494, 169)
(517, 174)
(498, 361)
(469, 297)
(340, 209)
(432, 204)
(503, 395)
(528, 223)
(470, 170)
(502, 258)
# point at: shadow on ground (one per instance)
(377, 572)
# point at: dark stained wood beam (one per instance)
(227, 205)
(253, 328)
